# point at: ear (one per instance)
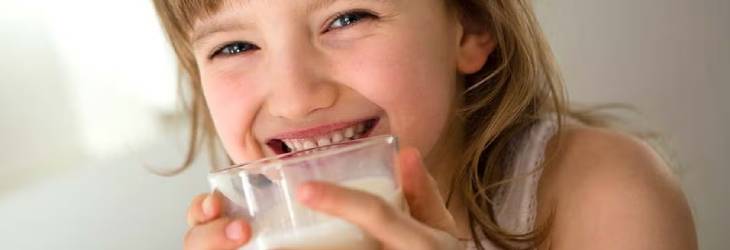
(474, 50)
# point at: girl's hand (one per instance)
(210, 231)
(430, 227)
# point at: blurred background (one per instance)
(88, 100)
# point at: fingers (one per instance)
(431, 227)
(422, 192)
(221, 233)
(391, 227)
(207, 231)
(203, 208)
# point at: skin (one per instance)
(385, 67)
(402, 67)
(608, 190)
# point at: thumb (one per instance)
(422, 192)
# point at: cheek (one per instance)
(414, 85)
(233, 104)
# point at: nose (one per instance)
(299, 84)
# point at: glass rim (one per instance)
(305, 155)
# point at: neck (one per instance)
(444, 162)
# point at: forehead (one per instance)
(190, 12)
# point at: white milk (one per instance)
(332, 233)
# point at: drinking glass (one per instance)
(263, 192)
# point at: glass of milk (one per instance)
(264, 193)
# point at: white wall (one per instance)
(120, 67)
(39, 129)
(670, 59)
(84, 85)
(80, 79)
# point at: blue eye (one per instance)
(349, 18)
(233, 48)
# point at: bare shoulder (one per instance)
(608, 190)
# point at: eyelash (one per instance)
(350, 17)
(233, 48)
(347, 19)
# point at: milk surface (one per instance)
(331, 233)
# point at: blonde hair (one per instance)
(518, 86)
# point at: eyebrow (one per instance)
(216, 25)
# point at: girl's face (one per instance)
(282, 75)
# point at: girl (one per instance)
(492, 157)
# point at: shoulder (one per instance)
(608, 190)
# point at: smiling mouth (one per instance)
(352, 132)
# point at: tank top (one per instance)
(516, 206)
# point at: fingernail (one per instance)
(208, 206)
(234, 230)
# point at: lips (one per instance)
(322, 136)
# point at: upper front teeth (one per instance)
(337, 137)
(308, 144)
(323, 141)
(349, 133)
